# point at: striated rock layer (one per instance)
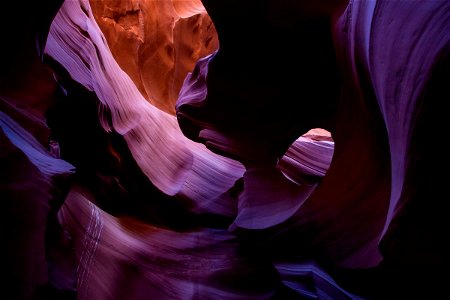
(366, 211)
(34, 181)
(156, 42)
(234, 197)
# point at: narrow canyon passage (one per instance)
(224, 149)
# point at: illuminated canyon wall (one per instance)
(156, 42)
(300, 159)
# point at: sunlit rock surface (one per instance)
(156, 42)
(240, 195)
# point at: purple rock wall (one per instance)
(306, 159)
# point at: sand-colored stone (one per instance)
(156, 42)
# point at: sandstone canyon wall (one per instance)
(140, 160)
(156, 42)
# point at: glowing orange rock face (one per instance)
(156, 42)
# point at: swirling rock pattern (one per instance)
(240, 195)
(156, 49)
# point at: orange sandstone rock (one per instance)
(156, 42)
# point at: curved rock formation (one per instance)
(241, 195)
(156, 50)
(33, 180)
(344, 219)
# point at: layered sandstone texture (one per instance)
(156, 42)
(301, 159)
